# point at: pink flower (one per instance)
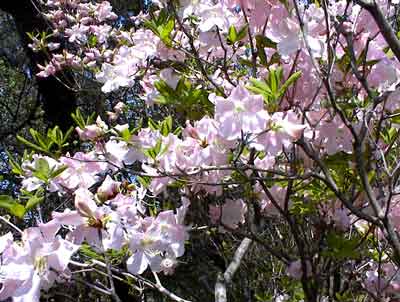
(41, 260)
(294, 270)
(119, 107)
(116, 76)
(168, 265)
(102, 32)
(384, 75)
(334, 212)
(286, 32)
(332, 135)
(104, 12)
(130, 207)
(204, 131)
(231, 214)
(47, 70)
(394, 212)
(92, 132)
(284, 128)
(265, 163)
(6, 241)
(120, 153)
(155, 239)
(290, 125)
(53, 46)
(31, 182)
(108, 189)
(170, 77)
(99, 226)
(215, 15)
(83, 170)
(240, 113)
(127, 61)
(383, 278)
(267, 206)
(77, 33)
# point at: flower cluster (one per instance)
(277, 104)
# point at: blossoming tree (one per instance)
(272, 123)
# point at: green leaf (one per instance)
(39, 139)
(92, 41)
(178, 131)
(189, 101)
(17, 210)
(183, 87)
(78, 118)
(165, 32)
(165, 90)
(57, 172)
(88, 251)
(31, 145)
(68, 134)
(342, 248)
(152, 124)
(42, 166)
(263, 56)
(235, 36)
(272, 88)
(117, 257)
(232, 34)
(162, 26)
(15, 166)
(144, 181)
(153, 152)
(242, 33)
(262, 88)
(389, 134)
(41, 170)
(150, 24)
(138, 127)
(157, 147)
(302, 208)
(162, 17)
(14, 208)
(291, 80)
(56, 136)
(166, 126)
(125, 134)
(273, 81)
(263, 41)
(33, 202)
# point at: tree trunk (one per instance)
(57, 100)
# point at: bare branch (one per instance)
(384, 26)
(225, 279)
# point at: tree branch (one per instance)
(225, 279)
(384, 26)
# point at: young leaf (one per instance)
(56, 172)
(242, 33)
(15, 166)
(14, 208)
(152, 124)
(232, 35)
(291, 80)
(166, 126)
(31, 145)
(33, 202)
